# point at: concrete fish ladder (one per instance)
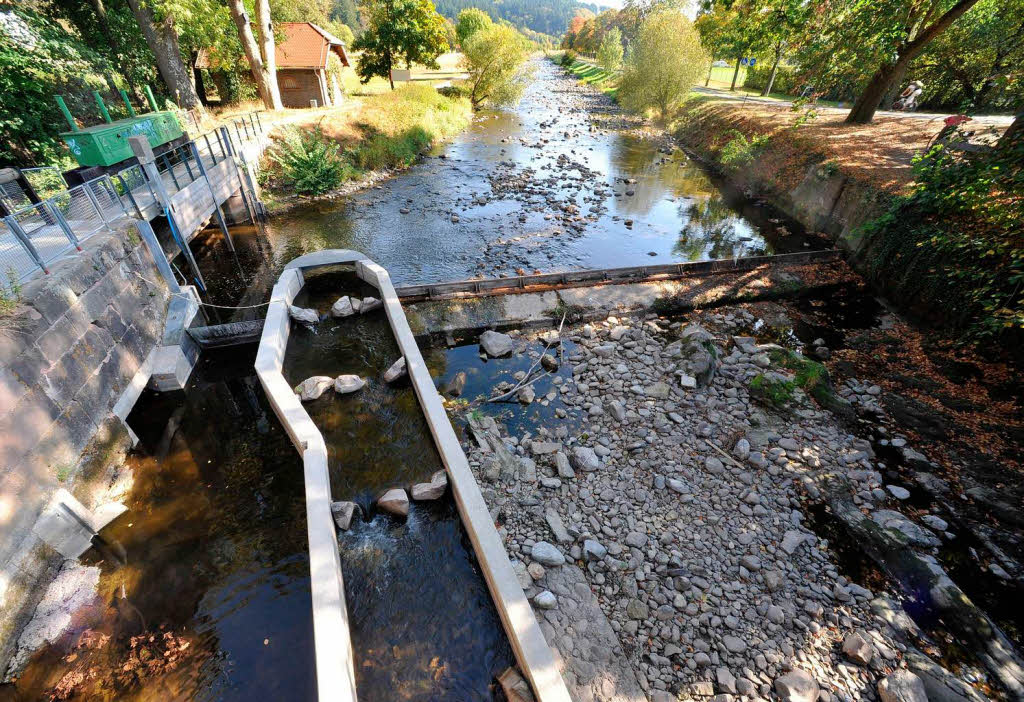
(334, 656)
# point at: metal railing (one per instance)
(35, 235)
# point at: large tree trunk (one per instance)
(266, 33)
(735, 74)
(864, 108)
(163, 42)
(101, 15)
(1014, 133)
(252, 53)
(775, 70)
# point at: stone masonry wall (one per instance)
(67, 353)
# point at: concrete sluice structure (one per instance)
(335, 658)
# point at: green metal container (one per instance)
(107, 144)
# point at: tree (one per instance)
(342, 31)
(399, 30)
(665, 60)
(266, 82)
(470, 21)
(609, 54)
(266, 35)
(162, 38)
(495, 58)
(902, 29)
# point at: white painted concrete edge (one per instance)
(532, 652)
(335, 664)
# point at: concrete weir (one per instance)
(334, 653)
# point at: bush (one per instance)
(568, 58)
(311, 163)
(739, 151)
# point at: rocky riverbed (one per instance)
(662, 530)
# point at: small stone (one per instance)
(496, 344)
(345, 384)
(900, 493)
(558, 529)
(593, 550)
(549, 362)
(546, 600)
(726, 680)
(616, 410)
(857, 648)
(584, 459)
(396, 371)
(734, 644)
(536, 571)
(688, 381)
(395, 501)
(546, 554)
(343, 513)
(562, 466)
(342, 307)
(456, 385)
(525, 395)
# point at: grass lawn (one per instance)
(594, 75)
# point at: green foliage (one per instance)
(786, 82)
(342, 31)
(568, 58)
(609, 54)
(776, 392)
(399, 33)
(739, 151)
(665, 61)
(549, 17)
(495, 60)
(311, 163)
(470, 21)
(955, 243)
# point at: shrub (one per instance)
(568, 58)
(739, 151)
(311, 163)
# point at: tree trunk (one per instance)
(266, 33)
(1014, 133)
(895, 87)
(775, 71)
(252, 52)
(735, 74)
(163, 42)
(710, 68)
(864, 108)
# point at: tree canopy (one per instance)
(665, 60)
(495, 58)
(470, 21)
(399, 32)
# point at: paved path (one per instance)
(997, 120)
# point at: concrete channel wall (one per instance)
(69, 350)
(335, 678)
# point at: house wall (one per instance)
(299, 86)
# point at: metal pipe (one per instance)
(63, 223)
(127, 103)
(22, 237)
(103, 108)
(150, 99)
(67, 113)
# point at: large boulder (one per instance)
(456, 385)
(797, 686)
(395, 501)
(342, 307)
(369, 304)
(344, 384)
(314, 387)
(496, 344)
(303, 315)
(902, 686)
(857, 648)
(698, 355)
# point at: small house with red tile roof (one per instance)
(303, 65)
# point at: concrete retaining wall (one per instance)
(67, 354)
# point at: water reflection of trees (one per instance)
(713, 230)
(658, 176)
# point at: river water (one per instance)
(216, 583)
